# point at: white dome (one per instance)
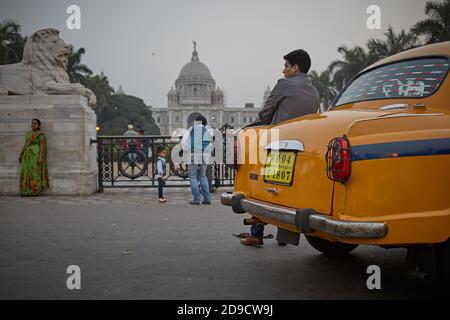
(194, 85)
(195, 72)
(195, 69)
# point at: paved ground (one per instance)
(129, 246)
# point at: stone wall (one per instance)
(68, 123)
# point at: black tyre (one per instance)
(429, 266)
(442, 252)
(330, 248)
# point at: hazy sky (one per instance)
(143, 44)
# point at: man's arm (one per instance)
(207, 135)
(186, 140)
(271, 105)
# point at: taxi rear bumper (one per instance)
(305, 220)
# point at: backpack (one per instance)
(164, 167)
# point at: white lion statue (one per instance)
(42, 70)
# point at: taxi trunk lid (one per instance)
(308, 138)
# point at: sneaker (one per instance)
(206, 202)
(252, 241)
(162, 200)
(195, 203)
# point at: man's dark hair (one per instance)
(301, 58)
(202, 119)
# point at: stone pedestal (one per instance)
(68, 123)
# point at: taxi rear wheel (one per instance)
(443, 266)
(430, 265)
(329, 247)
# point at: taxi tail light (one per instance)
(338, 159)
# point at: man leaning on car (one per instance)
(294, 96)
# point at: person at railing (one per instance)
(130, 133)
(142, 143)
(33, 162)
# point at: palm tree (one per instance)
(354, 60)
(436, 27)
(77, 71)
(99, 85)
(11, 42)
(325, 86)
(392, 44)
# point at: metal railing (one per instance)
(129, 162)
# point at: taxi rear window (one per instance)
(416, 78)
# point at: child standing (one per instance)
(160, 174)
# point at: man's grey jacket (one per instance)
(290, 98)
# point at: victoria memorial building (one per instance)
(195, 93)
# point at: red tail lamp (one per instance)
(338, 159)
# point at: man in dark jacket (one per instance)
(294, 96)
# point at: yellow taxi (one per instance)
(374, 169)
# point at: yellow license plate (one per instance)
(279, 167)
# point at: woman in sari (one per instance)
(33, 162)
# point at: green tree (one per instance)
(123, 110)
(392, 44)
(99, 84)
(436, 27)
(77, 71)
(325, 86)
(11, 42)
(354, 60)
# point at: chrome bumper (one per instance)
(306, 220)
